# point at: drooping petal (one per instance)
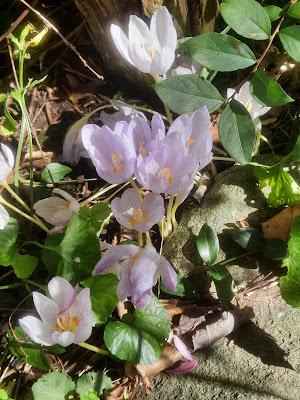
(167, 274)
(4, 217)
(47, 309)
(54, 210)
(181, 347)
(63, 338)
(113, 255)
(62, 293)
(121, 41)
(38, 331)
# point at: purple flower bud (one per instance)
(135, 212)
(140, 270)
(112, 152)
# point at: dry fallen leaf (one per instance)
(280, 225)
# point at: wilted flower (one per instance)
(135, 212)
(112, 152)
(189, 362)
(168, 168)
(6, 162)
(66, 317)
(254, 108)
(4, 217)
(124, 113)
(149, 50)
(55, 210)
(139, 272)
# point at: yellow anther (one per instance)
(138, 217)
(166, 173)
(118, 164)
(66, 323)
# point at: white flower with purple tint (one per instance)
(195, 130)
(73, 149)
(7, 162)
(4, 217)
(169, 168)
(65, 317)
(146, 137)
(138, 273)
(56, 210)
(124, 113)
(111, 151)
(136, 212)
(149, 50)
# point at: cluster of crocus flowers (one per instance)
(138, 270)
(65, 317)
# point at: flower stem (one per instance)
(169, 215)
(148, 238)
(157, 79)
(173, 213)
(32, 283)
(93, 348)
(140, 239)
(14, 195)
(11, 286)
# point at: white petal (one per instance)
(62, 293)
(4, 217)
(9, 155)
(121, 41)
(64, 338)
(47, 309)
(84, 329)
(140, 58)
(73, 148)
(54, 210)
(138, 31)
(163, 29)
(83, 304)
(37, 331)
(230, 92)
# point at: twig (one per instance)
(67, 43)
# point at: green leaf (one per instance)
(237, 132)
(103, 295)
(267, 90)
(53, 386)
(294, 10)
(249, 239)
(290, 39)
(8, 237)
(91, 384)
(282, 188)
(54, 172)
(223, 282)
(24, 265)
(290, 284)
(3, 395)
(8, 126)
(247, 18)
(141, 339)
(185, 288)
(219, 52)
(274, 12)
(186, 93)
(97, 214)
(274, 249)
(208, 244)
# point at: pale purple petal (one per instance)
(167, 274)
(181, 347)
(184, 368)
(84, 329)
(113, 255)
(38, 331)
(6, 162)
(47, 309)
(141, 134)
(125, 287)
(63, 338)
(62, 293)
(158, 128)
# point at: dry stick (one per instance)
(67, 43)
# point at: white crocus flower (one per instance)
(254, 108)
(65, 317)
(6, 162)
(149, 50)
(4, 217)
(55, 210)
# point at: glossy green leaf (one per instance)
(223, 282)
(53, 386)
(24, 265)
(54, 172)
(208, 244)
(8, 238)
(186, 93)
(282, 188)
(104, 297)
(267, 90)
(290, 39)
(249, 238)
(294, 10)
(91, 384)
(274, 12)
(237, 132)
(219, 52)
(290, 284)
(247, 18)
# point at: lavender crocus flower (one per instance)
(66, 317)
(111, 151)
(168, 168)
(135, 212)
(139, 272)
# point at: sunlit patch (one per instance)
(166, 173)
(249, 106)
(66, 323)
(138, 217)
(118, 163)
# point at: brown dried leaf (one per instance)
(280, 225)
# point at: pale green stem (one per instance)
(257, 144)
(157, 79)
(18, 211)
(97, 194)
(227, 29)
(148, 238)
(93, 348)
(135, 186)
(223, 159)
(14, 195)
(173, 215)
(30, 282)
(11, 286)
(140, 239)
(115, 192)
(19, 154)
(213, 75)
